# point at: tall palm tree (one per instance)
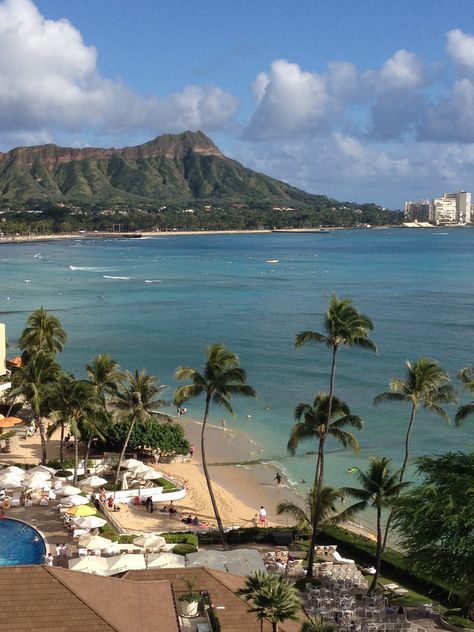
(426, 385)
(315, 623)
(136, 401)
(43, 332)
(105, 374)
(325, 417)
(379, 488)
(344, 326)
(277, 602)
(32, 381)
(329, 513)
(466, 375)
(57, 395)
(221, 379)
(95, 426)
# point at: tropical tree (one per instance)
(303, 517)
(466, 375)
(43, 332)
(315, 623)
(57, 395)
(344, 326)
(32, 381)
(426, 385)
(271, 597)
(435, 522)
(136, 402)
(379, 488)
(106, 376)
(327, 416)
(221, 379)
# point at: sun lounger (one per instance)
(341, 560)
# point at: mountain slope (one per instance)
(184, 167)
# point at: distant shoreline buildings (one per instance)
(450, 209)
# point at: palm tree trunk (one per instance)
(208, 478)
(314, 525)
(86, 457)
(274, 626)
(39, 421)
(61, 446)
(76, 459)
(402, 471)
(320, 462)
(378, 553)
(124, 447)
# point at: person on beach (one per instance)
(278, 479)
(49, 559)
(223, 424)
(65, 551)
(59, 551)
(191, 450)
(262, 515)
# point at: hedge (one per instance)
(184, 549)
(181, 538)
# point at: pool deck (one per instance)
(49, 523)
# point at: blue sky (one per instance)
(365, 100)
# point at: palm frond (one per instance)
(309, 337)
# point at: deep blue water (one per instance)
(417, 286)
(20, 543)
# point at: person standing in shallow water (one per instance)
(278, 479)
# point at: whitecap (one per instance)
(90, 269)
(153, 281)
(26, 280)
(122, 278)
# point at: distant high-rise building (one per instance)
(417, 211)
(452, 208)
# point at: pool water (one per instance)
(20, 543)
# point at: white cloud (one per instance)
(49, 83)
(460, 47)
(402, 71)
(451, 119)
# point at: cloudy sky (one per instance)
(364, 100)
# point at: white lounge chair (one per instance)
(341, 560)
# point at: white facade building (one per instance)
(452, 208)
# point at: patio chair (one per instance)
(16, 499)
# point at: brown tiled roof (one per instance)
(45, 599)
(232, 611)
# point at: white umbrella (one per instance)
(127, 562)
(150, 475)
(13, 469)
(92, 481)
(141, 468)
(94, 542)
(89, 564)
(74, 500)
(165, 560)
(90, 522)
(131, 463)
(41, 468)
(68, 490)
(150, 540)
(10, 481)
(36, 480)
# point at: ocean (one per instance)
(156, 303)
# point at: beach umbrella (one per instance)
(150, 475)
(68, 490)
(10, 481)
(2, 416)
(131, 463)
(36, 480)
(141, 468)
(150, 540)
(41, 468)
(165, 560)
(81, 510)
(13, 469)
(90, 522)
(92, 481)
(89, 564)
(75, 500)
(9, 422)
(126, 562)
(94, 542)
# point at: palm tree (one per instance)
(379, 488)
(326, 417)
(466, 375)
(105, 374)
(317, 624)
(426, 385)
(43, 332)
(272, 598)
(136, 401)
(95, 426)
(344, 326)
(57, 395)
(32, 380)
(304, 517)
(221, 379)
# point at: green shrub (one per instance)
(169, 438)
(184, 549)
(181, 538)
(168, 486)
(454, 618)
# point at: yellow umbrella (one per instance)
(81, 510)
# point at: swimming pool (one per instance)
(20, 543)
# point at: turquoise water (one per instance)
(180, 293)
(20, 543)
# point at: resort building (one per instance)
(417, 211)
(452, 208)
